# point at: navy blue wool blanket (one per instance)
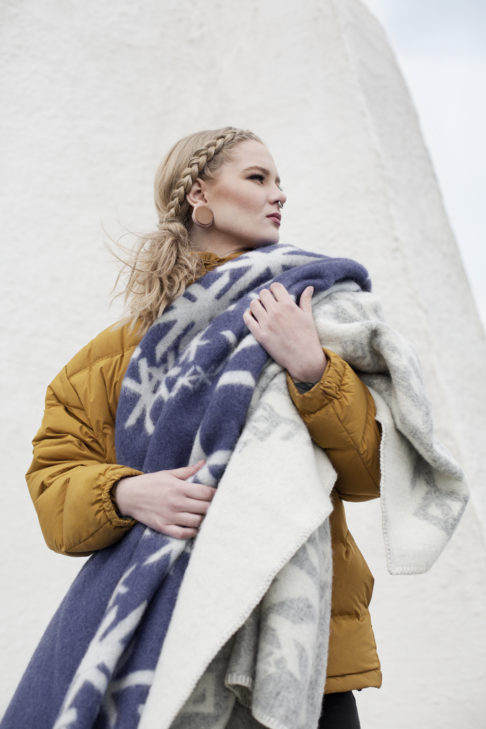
(185, 396)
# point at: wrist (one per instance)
(120, 496)
(310, 372)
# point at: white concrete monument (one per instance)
(94, 94)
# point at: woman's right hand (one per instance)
(165, 501)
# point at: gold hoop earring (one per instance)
(202, 215)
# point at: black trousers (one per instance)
(339, 711)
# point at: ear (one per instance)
(197, 192)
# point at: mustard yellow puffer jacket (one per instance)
(74, 470)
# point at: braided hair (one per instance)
(163, 263)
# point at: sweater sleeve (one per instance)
(339, 412)
(74, 464)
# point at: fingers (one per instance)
(276, 293)
(257, 309)
(166, 501)
(187, 523)
(267, 298)
(179, 532)
(187, 471)
(192, 521)
(250, 322)
(199, 492)
(193, 490)
(279, 292)
(265, 304)
(305, 301)
(184, 520)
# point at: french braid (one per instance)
(163, 263)
(199, 161)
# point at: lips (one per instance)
(276, 217)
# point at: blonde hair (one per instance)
(163, 263)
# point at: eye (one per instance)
(258, 177)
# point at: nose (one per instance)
(280, 197)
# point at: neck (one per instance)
(204, 240)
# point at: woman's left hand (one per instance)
(286, 330)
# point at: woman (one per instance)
(218, 196)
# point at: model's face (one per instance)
(245, 198)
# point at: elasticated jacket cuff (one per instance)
(324, 391)
(112, 513)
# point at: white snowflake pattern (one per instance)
(149, 379)
(100, 658)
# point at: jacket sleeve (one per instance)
(74, 466)
(340, 415)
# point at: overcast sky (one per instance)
(441, 49)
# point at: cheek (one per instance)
(236, 198)
(246, 201)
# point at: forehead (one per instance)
(250, 153)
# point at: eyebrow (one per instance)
(262, 169)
